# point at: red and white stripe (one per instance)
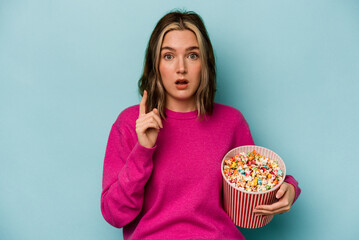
(239, 204)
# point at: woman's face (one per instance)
(180, 68)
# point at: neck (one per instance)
(188, 106)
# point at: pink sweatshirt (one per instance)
(173, 190)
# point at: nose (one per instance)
(181, 65)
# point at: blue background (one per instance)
(68, 68)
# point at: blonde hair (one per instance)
(151, 77)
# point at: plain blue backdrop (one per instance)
(68, 68)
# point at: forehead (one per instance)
(180, 39)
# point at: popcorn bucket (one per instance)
(239, 204)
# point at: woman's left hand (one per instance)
(285, 194)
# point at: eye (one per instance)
(167, 56)
(193, 56)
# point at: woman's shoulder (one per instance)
(227, 111)
(128, 116)
(229, 116)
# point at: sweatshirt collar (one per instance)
(181, 115)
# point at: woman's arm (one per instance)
(127, 168)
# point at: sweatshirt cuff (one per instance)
(146, 148)
(141, 154)
(139, 164)
(289, 179)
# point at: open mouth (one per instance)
(181, 82)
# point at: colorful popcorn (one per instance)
(252, 172)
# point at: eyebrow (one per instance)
(187, 49)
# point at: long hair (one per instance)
(151, 77)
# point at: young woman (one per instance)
(162, 176)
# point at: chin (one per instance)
(183, 97)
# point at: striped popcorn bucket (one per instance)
(239, 204)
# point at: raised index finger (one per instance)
(143, 103)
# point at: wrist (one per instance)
(148, 146)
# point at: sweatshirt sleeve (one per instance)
(127, 168)
(243, 134)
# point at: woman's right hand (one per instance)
(148, 124)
